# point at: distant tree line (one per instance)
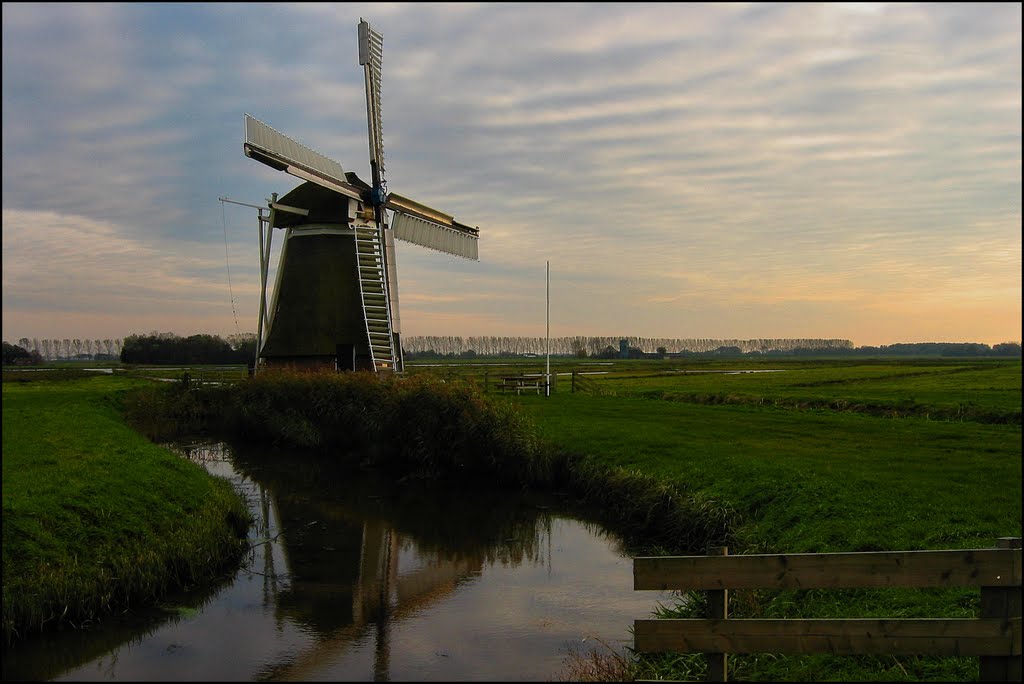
(639, 347)
(581, 346)
(168, 348)
(71, 349)
(968, 349)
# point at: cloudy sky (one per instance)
(688, 170)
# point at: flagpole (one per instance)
(547, 322)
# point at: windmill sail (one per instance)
(371, 49)
(419, 224)
(278, 151)
(435, 236)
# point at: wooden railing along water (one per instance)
(994, 637)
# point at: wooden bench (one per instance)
(995, 637)
(519, 383)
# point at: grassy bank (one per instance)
(808, 481)
(803, 479)
(95, 517)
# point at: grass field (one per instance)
(816, 456)
(804, 478)
(985, 390)
(95, 517)
(809, 480)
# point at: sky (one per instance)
(728, 171)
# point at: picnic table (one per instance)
(522, 382)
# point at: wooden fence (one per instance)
(995, 637)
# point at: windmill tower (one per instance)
(335, 299)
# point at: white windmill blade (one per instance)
(278, 151)
(371, 49)
(421, 225)
(412, 222)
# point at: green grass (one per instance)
(95, 517)
(989, 391)
(983, 390)
(845, 455)
(800, 479)
(808, 481)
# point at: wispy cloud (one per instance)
(813, 170)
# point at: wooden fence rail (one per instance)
(995, 636)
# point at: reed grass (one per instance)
(416, 427)
(423, 427)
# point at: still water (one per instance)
(354, 578)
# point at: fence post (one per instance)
(718, 609)
(573, 381)
(1001, 602)
(486, 390)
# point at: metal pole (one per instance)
(264, 261)
(263, 293)
(547, 321)
(244, 204)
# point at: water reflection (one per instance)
(350, 578)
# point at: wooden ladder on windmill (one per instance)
(373, 289)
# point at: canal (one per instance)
(350, 577)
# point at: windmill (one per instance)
(335, 299)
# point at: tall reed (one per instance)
(426, 427)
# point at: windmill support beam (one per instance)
(293, 210)
(408, 206)
(264, 270)
(391, 269)
(343, 188)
